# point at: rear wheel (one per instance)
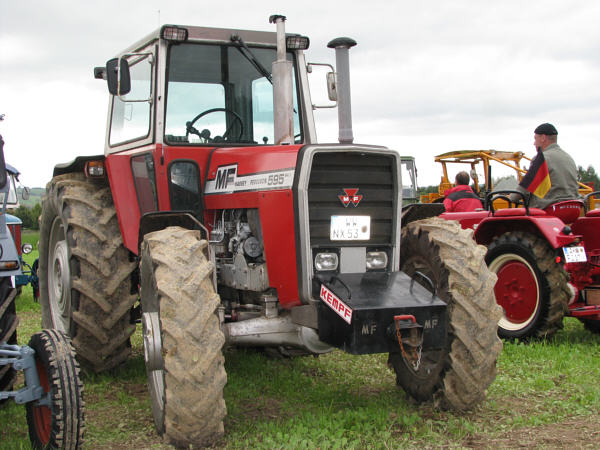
(59, 424)
(532, 288)
(182, 338)
(458, 375)
(8, 329)
(85, 272)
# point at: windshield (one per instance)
(11, 189)
(216, 95)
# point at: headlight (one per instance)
(376, 260)
(326, 261)
(27, 248)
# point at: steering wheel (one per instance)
(505, 195)
(205, 134)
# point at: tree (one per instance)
(29, 216)
(589, 177)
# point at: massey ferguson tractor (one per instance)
(215, 219)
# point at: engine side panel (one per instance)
(254, 178)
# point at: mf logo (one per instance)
(225, 179)
(350, 195)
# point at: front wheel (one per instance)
(59, 424)
(456, 376)
(532, 288)
(182, 338)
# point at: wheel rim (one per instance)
(59, 278)
(154, 366)
(42, 416)
(517, 291)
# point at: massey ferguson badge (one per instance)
(350, 196)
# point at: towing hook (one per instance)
(409, 334)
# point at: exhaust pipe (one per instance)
(283, 101)
(273, 332)
(342, 68)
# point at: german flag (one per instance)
(537, 178)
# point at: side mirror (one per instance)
(332, 86)
(117, 76)
(25, 193)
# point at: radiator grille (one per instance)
(373, 174)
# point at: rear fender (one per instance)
(77, 165)
(549, 227)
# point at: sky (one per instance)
(427, 77)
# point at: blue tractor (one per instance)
(53, 390)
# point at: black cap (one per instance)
(547, 129)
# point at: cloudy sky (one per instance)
(427, 77)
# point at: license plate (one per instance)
(350, 228)
(574, 254)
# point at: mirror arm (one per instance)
(151, 62)
(309, 70)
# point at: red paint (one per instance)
(42, 416)
(15, 230)
(516, 291)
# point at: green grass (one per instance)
(344, 401)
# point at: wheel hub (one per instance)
(516, 290)
(59, 281)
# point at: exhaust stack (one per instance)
(342, 68)
(283, 102)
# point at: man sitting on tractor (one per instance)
(461, 197)
(552, 176)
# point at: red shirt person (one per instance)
(461, 197)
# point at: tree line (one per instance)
(29, 216)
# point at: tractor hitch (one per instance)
(409, 333)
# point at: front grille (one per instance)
(373, 174)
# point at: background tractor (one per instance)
(480, 163)
(52, 394)
(547, 261)
(215, 218)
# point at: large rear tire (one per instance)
(8, 329)
(532, 288)
(458, 375)
(85, 272)
(61, 423)
(182, 338)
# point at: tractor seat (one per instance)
(518, 212)
(593, 213)
(568, 211)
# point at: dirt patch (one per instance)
(580, 432)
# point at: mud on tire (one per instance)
(532, 288)
(60, 424)
(8, 329)
(458, 375)
(182, 338)
(86, 286)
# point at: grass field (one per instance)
(546, 395)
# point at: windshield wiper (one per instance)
(247, 53)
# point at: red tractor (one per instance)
(215, 218)
(547, 262)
